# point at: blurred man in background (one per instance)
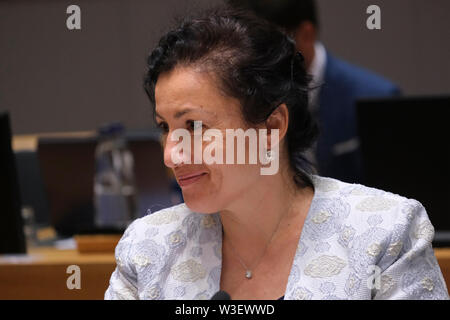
(335, 86)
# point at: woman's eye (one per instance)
(163, 126)
(192, 125)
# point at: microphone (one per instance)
(221, 295)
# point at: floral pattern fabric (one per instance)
(357, 243)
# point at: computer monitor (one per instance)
(68, 167)
(31, 186)
(12, 239)
(406, 150)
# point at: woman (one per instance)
(289, 234)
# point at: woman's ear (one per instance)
(279, 119)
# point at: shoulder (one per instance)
(151, 235)
(165, 233)
(161, 249)
(366, 209)
(372, 229)
(168, 218)
(162, 223)
(361, 80)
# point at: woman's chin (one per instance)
(201, 204)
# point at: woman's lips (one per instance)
(188, 179)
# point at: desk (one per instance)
(42, 274)
(443, 257)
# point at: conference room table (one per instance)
(49, 272)
(44, 273)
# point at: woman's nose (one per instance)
(168, 147)
(174, 153)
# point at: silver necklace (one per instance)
(248, 271)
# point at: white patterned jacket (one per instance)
(356, 243)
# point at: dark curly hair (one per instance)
(255, 63)
(288, 14)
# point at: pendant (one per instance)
(248, 274)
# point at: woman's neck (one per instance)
(255, 220)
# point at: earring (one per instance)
(269, 155)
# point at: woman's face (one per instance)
(183, 96)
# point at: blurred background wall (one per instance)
(55, 79)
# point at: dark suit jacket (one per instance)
(338, 153)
